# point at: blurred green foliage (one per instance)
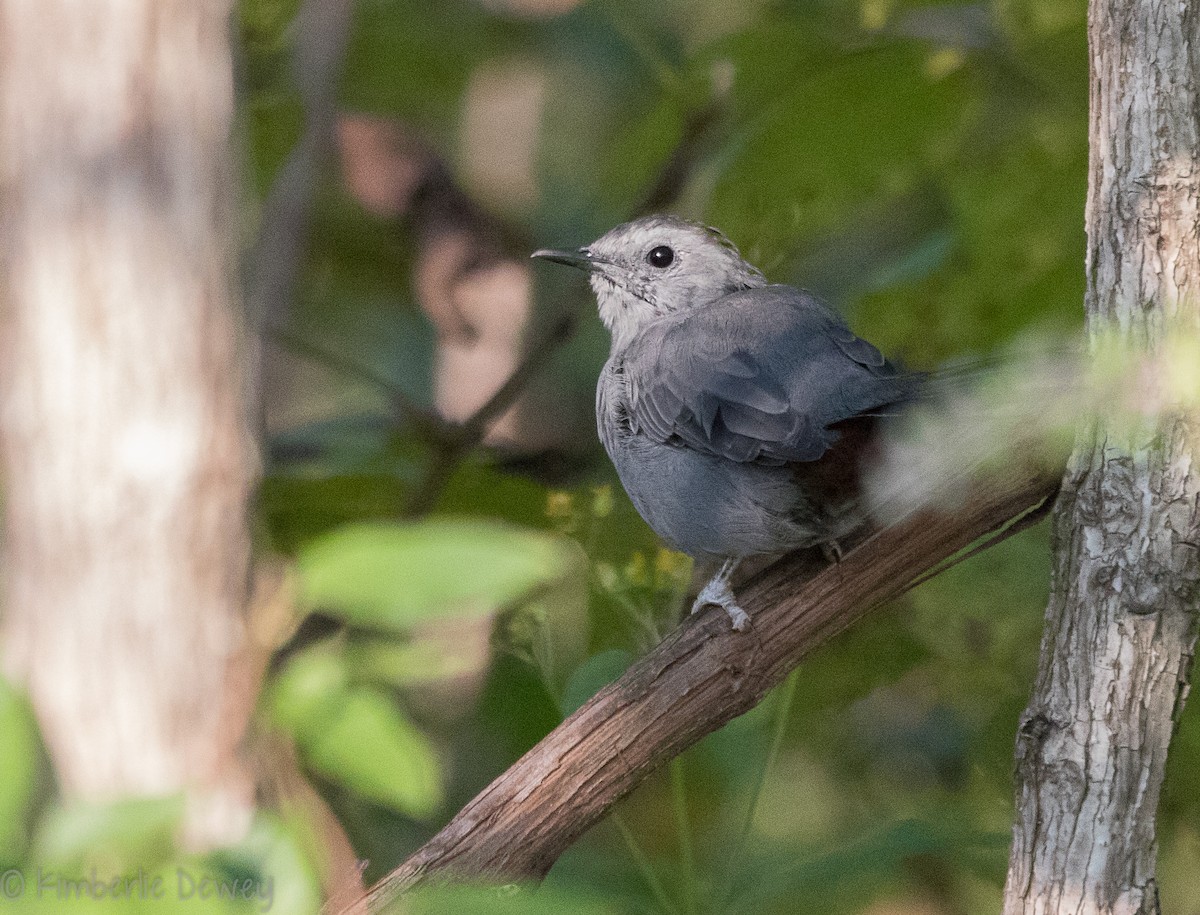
(921, 165)
(396, 575)
(20, 763)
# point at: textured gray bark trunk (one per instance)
(123, 443)
(1121, 621)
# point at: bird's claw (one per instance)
(719, 593)
(832, 551)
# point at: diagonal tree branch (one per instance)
(700, 677)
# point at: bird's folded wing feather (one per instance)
(760, 375)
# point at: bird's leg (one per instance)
(718, 592)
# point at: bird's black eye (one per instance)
(660, 257)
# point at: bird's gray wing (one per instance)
(760, 375)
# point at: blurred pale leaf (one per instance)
(134, 832)
(370, 747)
(398, 574)
(263, 873)
(18, 762)
(305, 695)
(408, 663)
(271, 857)
(355, 735)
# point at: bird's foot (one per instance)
(718, 592)
(832, 551)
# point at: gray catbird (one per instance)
(736, 412)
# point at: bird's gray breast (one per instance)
(703, 504)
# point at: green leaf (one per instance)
(19, 762)
(410, 663)
(396, 575)
(138, 831)
(371, 748)
(306, 694)
(355, 735)
(265, 872)
(592, 676)
(271, 868)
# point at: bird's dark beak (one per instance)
(579, 259)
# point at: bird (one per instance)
(737, 412)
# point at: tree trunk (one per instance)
(126, 459)
(1121, 621)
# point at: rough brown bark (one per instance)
(700, 677)
(1121, 621)
(125, 457)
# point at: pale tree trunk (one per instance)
(126, 460)
(1121, 621)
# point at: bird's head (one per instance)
(656, 266)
